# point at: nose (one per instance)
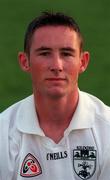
(56, 65)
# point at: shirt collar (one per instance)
(27, 120)
(84, 115)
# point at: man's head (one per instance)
(53, 55)
(50, 19)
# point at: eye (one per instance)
(66, 54)
(44, 53)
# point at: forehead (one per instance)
(55, 36)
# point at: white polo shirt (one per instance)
(83, 153)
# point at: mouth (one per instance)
(55, 79)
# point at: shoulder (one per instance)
(100, 110)
(9, 132)
(10, 137)
(8, 117)
(100, 114)
(12, 110)
(95, 103)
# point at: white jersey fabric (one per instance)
(83, 152)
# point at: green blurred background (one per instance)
(94, 20)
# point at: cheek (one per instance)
(74, 76)
(36, 67)
(73, 70)
(38, 71)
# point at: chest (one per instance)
(76, 157)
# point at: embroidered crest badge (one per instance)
(84, 161)
(30, 166)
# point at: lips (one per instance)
(55, 79)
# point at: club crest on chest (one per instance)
(84, 161)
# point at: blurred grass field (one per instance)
(94, 20)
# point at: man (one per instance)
(58, 133)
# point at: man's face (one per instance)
(55, 61)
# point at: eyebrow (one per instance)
(69, 49)
(44, 48)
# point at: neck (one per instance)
(55, 115)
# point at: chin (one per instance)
(56, 94)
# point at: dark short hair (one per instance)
(52, 19)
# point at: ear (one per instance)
(24, 61)
(84, 61)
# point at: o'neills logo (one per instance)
(57, 155)
(30, 166)
(84, 161)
